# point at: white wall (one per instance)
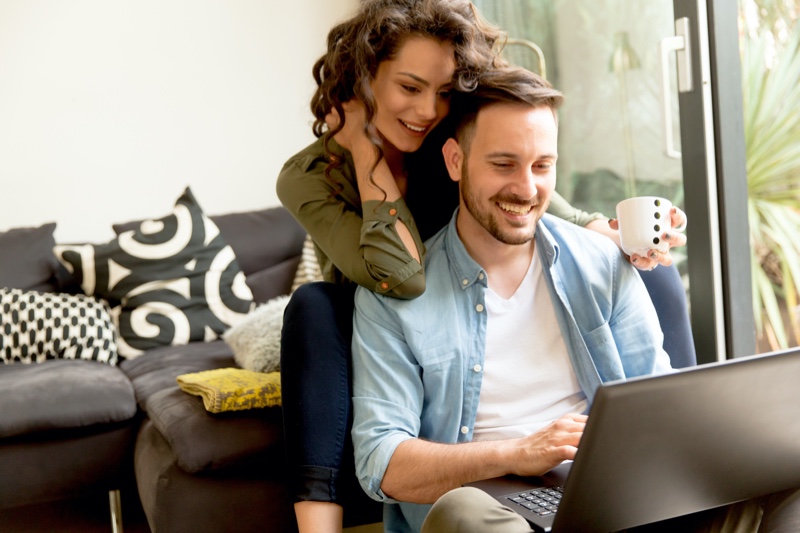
(108, 109)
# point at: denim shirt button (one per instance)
(479, 308)
(464, 430)
(480, 276)
(477, 368)
(465, 281)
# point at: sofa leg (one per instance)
(116, 511)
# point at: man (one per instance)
(491, 370)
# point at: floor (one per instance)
(91, 515)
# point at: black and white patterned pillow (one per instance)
(170, 281)
(308, 270)
(37, 326)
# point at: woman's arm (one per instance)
(599, 223)
(375, 181)
(358, 241)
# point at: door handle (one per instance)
(680, 43)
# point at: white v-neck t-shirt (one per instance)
(528, 379)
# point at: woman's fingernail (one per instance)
(653, 255)
(667, 236)
(634, 260)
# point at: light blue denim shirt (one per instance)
(417, 364)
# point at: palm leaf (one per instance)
(771, 100)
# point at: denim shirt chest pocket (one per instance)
(434, 348)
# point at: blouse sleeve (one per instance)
(562, 209)
(358, 242)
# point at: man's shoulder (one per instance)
(436, 274)
(568, 234)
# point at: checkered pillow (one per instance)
(38, 326)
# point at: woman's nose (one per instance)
(427, 108)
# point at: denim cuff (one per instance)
(316, 483)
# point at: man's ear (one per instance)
(453, 158)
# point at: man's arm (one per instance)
(392, 462)
(421, 471)
(635, 327)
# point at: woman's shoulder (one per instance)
(308, 166)
(303, 160)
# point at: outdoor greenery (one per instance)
(770, 44)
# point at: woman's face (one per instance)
(412, 91)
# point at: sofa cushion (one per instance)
(26, 258)
(204, 441)
(260, 239)
(38, 326)
(267, 244)
(60, 394)
(169, 281)
(200, 440)
(273, 281)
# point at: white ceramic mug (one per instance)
(642, 222)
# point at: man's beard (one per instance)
(486, 219)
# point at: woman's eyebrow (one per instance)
(423, 81)
(416, 78)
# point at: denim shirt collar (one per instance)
(466, 268)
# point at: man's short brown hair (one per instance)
(505, 85)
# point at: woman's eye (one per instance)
(445, 95)
(410, 89)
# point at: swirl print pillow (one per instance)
(169, 281)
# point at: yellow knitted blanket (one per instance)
(233, 389)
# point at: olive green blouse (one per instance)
(358, 243)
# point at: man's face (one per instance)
(509, 174)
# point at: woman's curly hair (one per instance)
(375, 34)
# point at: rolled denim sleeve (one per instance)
(634, 317)
(387, 390)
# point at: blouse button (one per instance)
(464, 430)
(476, 368)
(479, 308)
(384, 285)
(393, 211)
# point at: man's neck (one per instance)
(505, 264)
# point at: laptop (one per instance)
(663, 446)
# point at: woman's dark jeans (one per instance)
(316, 390)
(316, 383)
(669, 298)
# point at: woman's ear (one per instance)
(453, 158)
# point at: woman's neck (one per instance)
(396, 161)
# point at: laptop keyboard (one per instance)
(541, 501)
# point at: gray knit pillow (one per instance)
(256, 340)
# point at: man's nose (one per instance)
(526, 186)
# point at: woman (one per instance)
(387, 73)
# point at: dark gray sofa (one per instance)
(80, 426)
